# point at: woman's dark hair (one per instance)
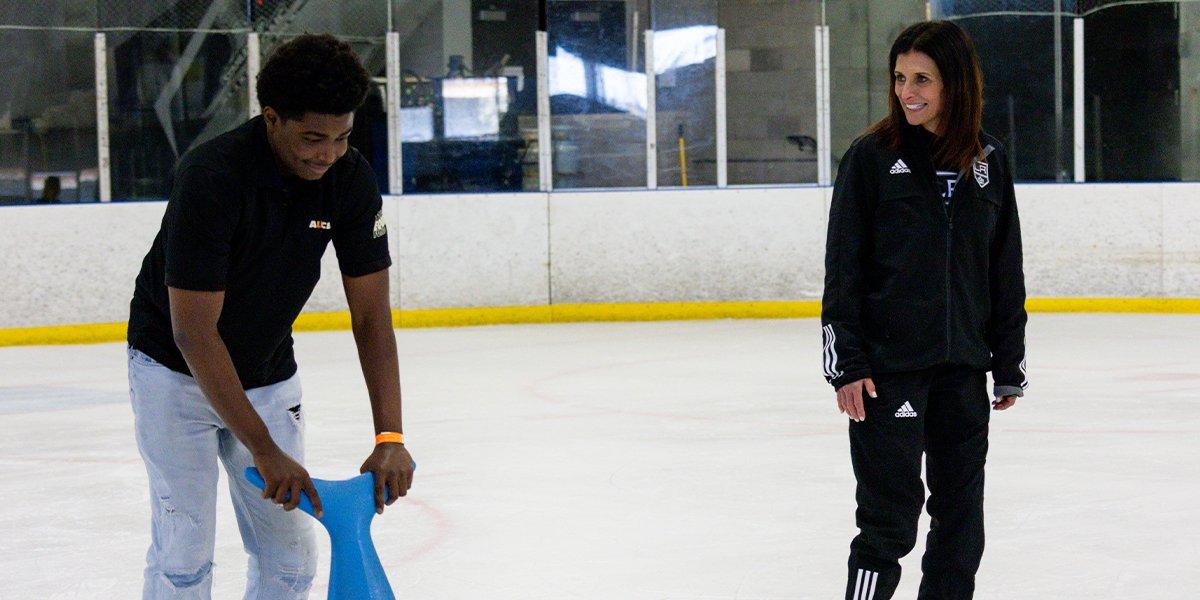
(962, 91)
(313, 73)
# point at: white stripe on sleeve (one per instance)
(830, 352)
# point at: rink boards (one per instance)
(614, 255)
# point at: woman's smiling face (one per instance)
(918, 85)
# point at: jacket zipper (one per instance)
(949, 253)
(948, 207)
(949, 235)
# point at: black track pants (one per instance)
(943, 413)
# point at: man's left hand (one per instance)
(393, 468)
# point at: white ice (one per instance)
(652, 461)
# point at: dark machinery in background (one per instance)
(462, 130)
(449, 149)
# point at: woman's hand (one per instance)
(850, 398)
(1003, 403)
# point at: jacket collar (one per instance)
(917, 138)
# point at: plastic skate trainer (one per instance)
(349, 504)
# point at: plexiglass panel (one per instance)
(167, 93)
(598, 93)
(468, 96)
(1141, 92)
(47, 117)
(685, 53)
(1028, 91)
(771, 84)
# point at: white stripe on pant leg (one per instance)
(858, 585)
(869, 585)
(874, 580)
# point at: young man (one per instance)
(211, 368)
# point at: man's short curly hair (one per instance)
(313, 73)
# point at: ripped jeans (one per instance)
(180, 438)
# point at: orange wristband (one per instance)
(389, 436)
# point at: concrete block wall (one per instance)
(861, 33)
(771, 88)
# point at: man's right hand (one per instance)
(850, 398)
(285, 479)
(194, 317)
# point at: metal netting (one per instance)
(42, 14)
(167, 15)
(352, 19)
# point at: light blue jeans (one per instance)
(180, 438)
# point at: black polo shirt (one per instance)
(234, 224)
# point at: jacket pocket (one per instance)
(901, 220)
(898, 206)
(904, 329)
(991, 197)
(988, 206)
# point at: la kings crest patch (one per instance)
(380, 229)
(981, 173)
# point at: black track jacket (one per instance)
(911, 284)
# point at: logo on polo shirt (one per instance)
(380, 226)
(320, 225)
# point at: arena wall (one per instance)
(75, 264)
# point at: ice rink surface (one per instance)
(650, 461)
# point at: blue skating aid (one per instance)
(355, 572)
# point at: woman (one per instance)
(924, 294)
